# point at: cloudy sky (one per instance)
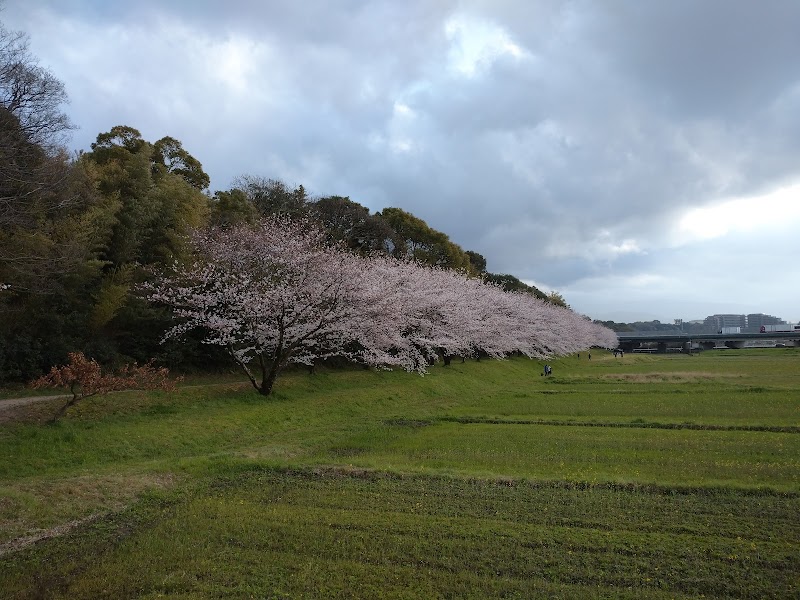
(641, 158)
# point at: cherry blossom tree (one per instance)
(271, 295)
(437, 313)
(277, 294)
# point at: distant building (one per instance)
(756, 320)
(718, 322)
(751, 323)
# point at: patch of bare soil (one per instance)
(21, 543)
(40, 509)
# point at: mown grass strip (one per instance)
(295, 533)
(637, 425)
(672, 457)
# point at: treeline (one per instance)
(656, 325)
(80, 234)
(640, 326)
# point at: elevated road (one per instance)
(631, 340)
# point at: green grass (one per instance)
(335, 534)
(643, 456)
(648, 476)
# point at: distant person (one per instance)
(590, 356)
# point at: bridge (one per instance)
(630, 341)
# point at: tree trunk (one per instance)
(268, 380)
(63, 409)
(265, 389)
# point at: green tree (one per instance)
(477, 261)
(155, 207)
(511, 284)
(169, 154)
(556, 298)
(181, 208)
(158, 203)
(53, 223)
(232, 208)
(419, 241)
(116, 142)
(351, 223)
(41, 252)
(75, 232)
(272, 196)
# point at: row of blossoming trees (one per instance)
(277, 294)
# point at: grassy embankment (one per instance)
(648, 476)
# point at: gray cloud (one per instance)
(564, 140)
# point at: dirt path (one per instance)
(9, 403)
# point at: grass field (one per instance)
(650, 476)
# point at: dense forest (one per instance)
(82, 233)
